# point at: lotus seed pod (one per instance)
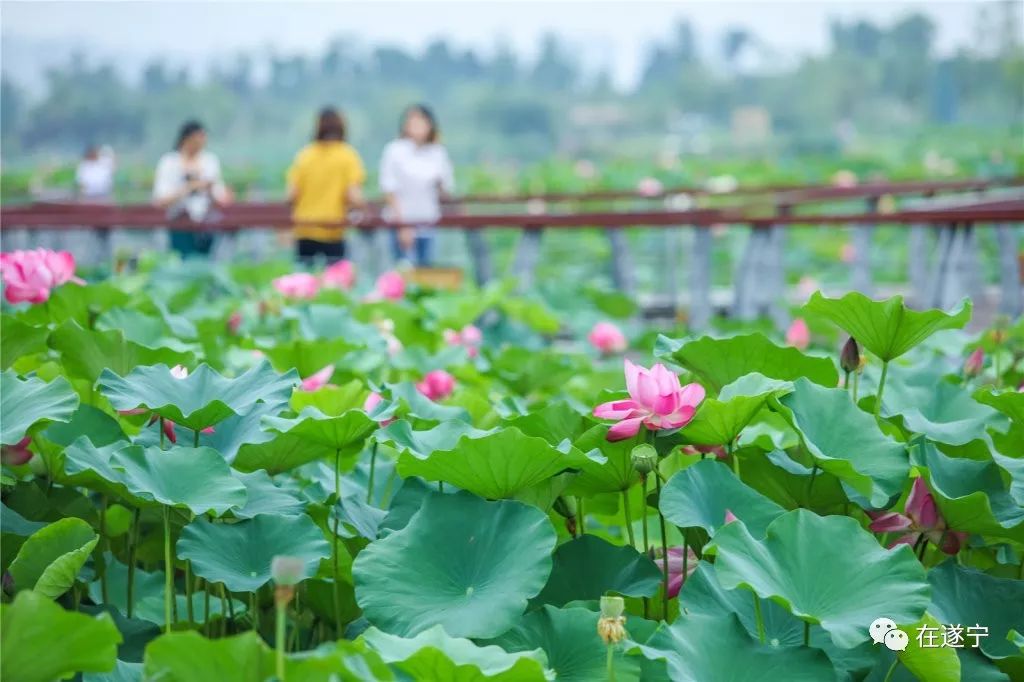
(645, 459)
(565, 506)
(612, 607)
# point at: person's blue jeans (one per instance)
(422, 253)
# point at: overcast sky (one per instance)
(612, 35)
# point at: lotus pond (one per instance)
(243, 474)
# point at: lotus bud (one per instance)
(645, 459)
(729, 516)
(611, 626)
(849, 357)
(566, 508)
(974, 363)
(234, 323)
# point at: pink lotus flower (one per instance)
(390, 286)
(607, 338)
(297, 285)
(469, 338)
(318, 380)
(30, 276)
(921, 517)
(18, 453)
(656, 400)
(340, 275)
(716, 450)
(798, 335)
(974, 363)
(649, 187)
(437, 385)
(676, 577)
(169, 429)
(179, 372)
(729, 516)
(371, 402)
(234, 323)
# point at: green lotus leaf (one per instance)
(569, 637)
(97, 468)
(972, 495)
(99, 427)
(494, 465)
(335, 433)
(422, 443)
(716, 648)
(78, 303)
(719, 421)
(20, 340)
(264, 496)
(718, 362)
(886, 328)
(307, 357)
(587, 567)
(330, 399)
(14, 523)
(26, 402)
(846, 441)
(196, 478)
(51, 558)
(700, 494)
(284, 452)
(242, 430)
(149, 331)
(319, 321)
(190, 657)
(1009, 402)
(939, 409)
(530, 371)
(86, 353)
(803, 564)
(42, 642)
(935, 664)
(968, 597)
(461, 562)
(201, 399)
(239, 554)
(609, 470)
(434, 655)
(122, 672)
(555, 423)
(148, 596)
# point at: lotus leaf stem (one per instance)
(881, 387)
(168, 569)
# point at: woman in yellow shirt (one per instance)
(324, 180)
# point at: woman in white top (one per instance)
(94, 177)
(415, 174)
(188, 184)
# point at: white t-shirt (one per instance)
(415, 175)
(95, 177)
(173, 175)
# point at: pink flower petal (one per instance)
(627, 428)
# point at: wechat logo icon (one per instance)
(884, 631)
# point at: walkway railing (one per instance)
(952, 210)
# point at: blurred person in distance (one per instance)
(188, 184)
(415, 175)
(324, 180)
(94, 176)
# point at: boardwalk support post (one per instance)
(621, 264)
(527, 256)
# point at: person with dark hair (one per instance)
(415, 173)
(188, 184)
(94, 176)
(325, 179)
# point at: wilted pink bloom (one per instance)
(179, 372)
(656, 400)
(371, 402)
(318, 380)
(607, 338)
(847, 252)
(31, 275)
(921, 518)
(469, 338)
(437, 384)
(390, 286)
(974, 363)
(798, 335)
(340, 275)
(297, 285)
(649, 187)
(676, 577)
(18, 453)
(234, 323)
